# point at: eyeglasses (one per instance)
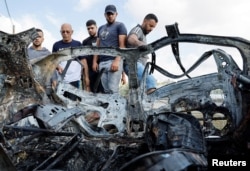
(65, 31)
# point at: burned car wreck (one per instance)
(41, 129)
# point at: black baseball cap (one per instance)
(110, 8)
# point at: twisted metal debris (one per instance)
(41, 129)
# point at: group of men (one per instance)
(111, 34)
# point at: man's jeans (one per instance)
(110, 80)
(150, 80)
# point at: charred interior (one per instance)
(178, 126)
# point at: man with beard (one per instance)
(136, 38)
(111, 34)
(36, 50)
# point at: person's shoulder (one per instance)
(102, 26)
(138, 26)
(57, 45)
(45, 49)
(119, 23)
(76, 42)
(136, 29)
(86, 41)
(30, 48)
(121, 27)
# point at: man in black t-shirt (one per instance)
(91, 41)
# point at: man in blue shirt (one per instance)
(111, 34)
(74, 70)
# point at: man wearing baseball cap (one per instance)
(111, 34)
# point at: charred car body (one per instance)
(173, 128)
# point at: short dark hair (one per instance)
(39, 30)
(90, 22)
(151, 16)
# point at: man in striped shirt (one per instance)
(136, 38)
